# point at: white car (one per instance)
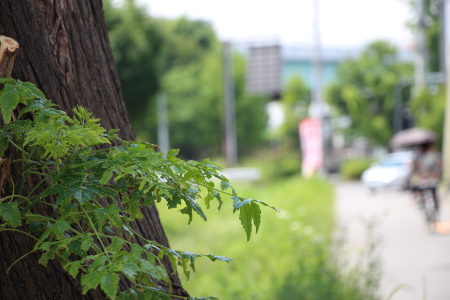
(391, 171)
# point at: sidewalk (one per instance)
(413, 259)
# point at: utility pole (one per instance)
(317, 60)
(230, 111)
(163, 124)
(421, 53)
(317, 106)
(446, 137)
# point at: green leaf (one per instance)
(33, 91)
(90, 280)
(195, 207)
(10, 213)
(238, 204)
(87, 242)
(74, 268)
(106, 176)
(173, 152)
(8, 81)
(220, 258)
(109, 283)
(225, 185)
(245, 216)
(45, 257)
(112, 212)
(60, 227)
(8, 102)
(256, 215)
(36, 226)
(116, 244)
(157, 272)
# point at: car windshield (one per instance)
(394, 160)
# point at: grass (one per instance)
(290, 257)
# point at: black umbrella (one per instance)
(412, 137)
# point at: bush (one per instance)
(352, 169)
(276, 165)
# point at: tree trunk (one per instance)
(65, 51)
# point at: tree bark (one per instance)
(65, 51)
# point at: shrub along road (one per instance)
(413, 259)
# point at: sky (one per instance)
(343, 23)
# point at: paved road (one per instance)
(411, 257)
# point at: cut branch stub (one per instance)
(8, 50)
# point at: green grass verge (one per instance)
(289, 258)
(352, 169)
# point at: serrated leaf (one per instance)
(239, 204)
(87, 242)
(90, 280)
(10, 213)
(60, 227)
(8, 102)
(99, 262)
(195, 207)
(31, 108)
(116, 244)
(220, 258)
(130, 272)
(74, 268)
(106, 176)
(8, 81)
(256, 215)
(109, 283)
(157, 272)
(175, 169)
(112, 212)
(45, 257)
(35, 93)
(246, 220)
(173, 152)
(224, 185)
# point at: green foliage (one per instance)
(364, 88)
(295, 100)
(428, 109)
(277, 164)
(137, 42)
(291, 257)
(95, 194)
(182, 59)
(352, 169)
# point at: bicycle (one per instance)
(428, 202)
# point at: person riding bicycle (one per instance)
(427, 169)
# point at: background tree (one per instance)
(295, 99)
(137, 43)
(187, 66)
(363, 90)
(64, 50)
(427, 106)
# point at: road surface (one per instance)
(412, 259)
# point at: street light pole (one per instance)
(446, 134)
(420, 61)
(230, 110)
(163, 124)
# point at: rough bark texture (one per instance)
(65, 51)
